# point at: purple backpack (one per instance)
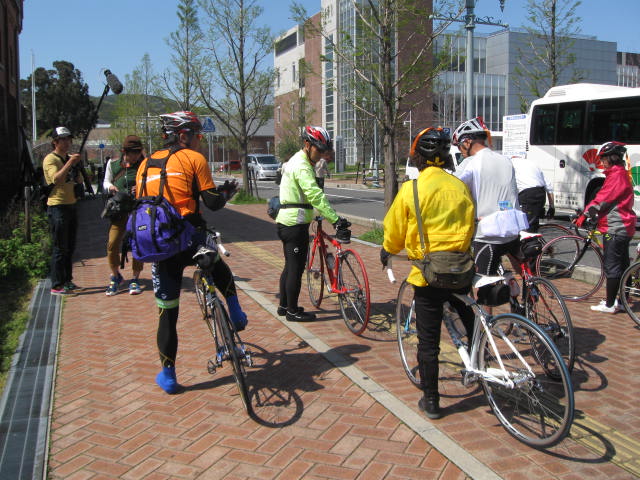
(155, 229)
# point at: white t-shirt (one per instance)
(529, 175)
(491, 179)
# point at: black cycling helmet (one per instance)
(178, 122)
(612, 148)
(433, 144)
(318, 137)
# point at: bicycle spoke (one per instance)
(354, 298)
(537, 409)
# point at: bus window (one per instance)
(570, 123)
(543, 121)
(614, 119)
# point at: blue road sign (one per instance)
(208, 126)
(102, 145)
(447, 130)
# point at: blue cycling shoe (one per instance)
(238, 317)
(166, 380)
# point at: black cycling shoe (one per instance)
(430, 406)
(282, 311)
(301, 316)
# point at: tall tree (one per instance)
(62, 98)
(235, 82)
(547, 57)
(385, 56)
(136, 109)
(185, 43)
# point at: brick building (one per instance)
(14, 161)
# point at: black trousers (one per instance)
(295, 243)
(429, 302)
(63, 226)
(532, 201)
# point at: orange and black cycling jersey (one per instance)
(187, 171)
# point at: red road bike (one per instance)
(347, 278)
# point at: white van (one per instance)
(264, 166)
(412, 172)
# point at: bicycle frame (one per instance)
(470, 360)
(320, 240)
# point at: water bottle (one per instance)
(330, 260)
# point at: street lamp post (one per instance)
(470, 22)
(409, 123)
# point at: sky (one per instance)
(115, 35)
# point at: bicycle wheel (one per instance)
(315, 274)
(531, 405)
(406, 332)
(550, 231)
(355, 302)
(630, 291)
(545, 307)
(235, 351)
(575, 266)
(201, 292)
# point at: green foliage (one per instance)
(376, 235)
(244, 198)
(21, 263)
(62, 98)
(29, 260)
(288, 146)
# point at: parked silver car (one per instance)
(263, 166)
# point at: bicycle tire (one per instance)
(229, 334)
(355, 304)
(315, 274)
(630, 291)
(550, 231)
(544, 306)
(207, 314)
(560, 261)
(406, 332)
(537, 409)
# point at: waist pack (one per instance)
(274, 206)
(155, 229)
(503, 224)
(451, 270)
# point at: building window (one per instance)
(278, 113)
(293, 73)
(293, 111)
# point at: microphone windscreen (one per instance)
(113, 82)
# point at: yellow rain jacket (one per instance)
(448, 218)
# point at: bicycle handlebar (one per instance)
(216, 242)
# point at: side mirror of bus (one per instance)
(563, 163)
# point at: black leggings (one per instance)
(429, 301)
(295, 242)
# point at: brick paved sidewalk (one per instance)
(110, 420)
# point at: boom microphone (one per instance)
(113, 82)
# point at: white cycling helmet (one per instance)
(471, 128)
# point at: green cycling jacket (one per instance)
(299, 185)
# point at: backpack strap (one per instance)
(416, 202)
(160, 163)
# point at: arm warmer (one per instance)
(212, 199)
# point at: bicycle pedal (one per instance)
(211, 367)
(468, 378)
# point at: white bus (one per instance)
(567, 126)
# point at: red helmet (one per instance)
(612, 148)
(178, 122)
(318, 137)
